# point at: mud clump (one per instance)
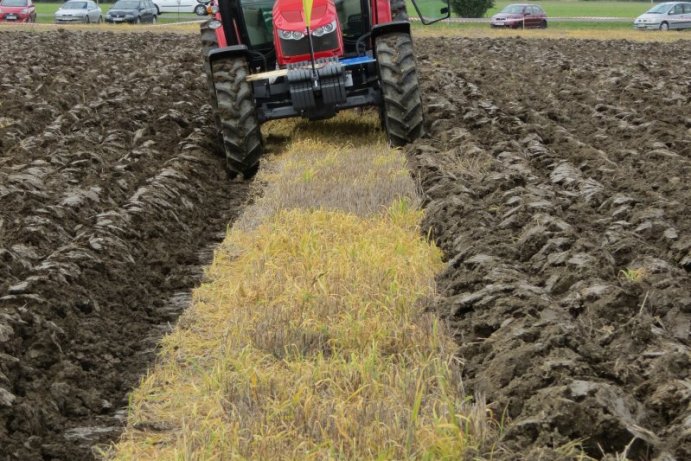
(555, 179)
(110, 197)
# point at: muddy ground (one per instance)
(110, 197)
(556, 181)
(555, 178)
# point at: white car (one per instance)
(666, 16)
(86, 11)
(176, 6)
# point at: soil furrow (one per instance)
(567, 280)
(554, 179)
(108, 207)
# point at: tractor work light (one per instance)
(325, 29)
(214, 24)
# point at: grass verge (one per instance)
(310, 339)
(576, 8)
(585, 31)
(554, 8)
(581, 31)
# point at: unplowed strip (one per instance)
(310, 340)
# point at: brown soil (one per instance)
(110, 197)
(555, 178)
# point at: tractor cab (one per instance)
(274, 31)
(272, 59)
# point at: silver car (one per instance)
(666, 16)
(79, 11)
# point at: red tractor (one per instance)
(267, 59)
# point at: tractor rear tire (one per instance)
(210, 43)
(237, 115)
(402, 103)
(398, 10)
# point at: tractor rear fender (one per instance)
(390, 27)
(234, 51)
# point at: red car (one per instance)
(520, 15)
(17, 11)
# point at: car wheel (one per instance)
(87, 19)
(200, 10)
(543, 25)
(664, 26)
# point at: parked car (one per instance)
(666, 16)
(132, 11)
(176, 6)
(17, 11)
(520, 15)
(74, 11)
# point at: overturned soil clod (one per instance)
(555, 178)
(110, 198)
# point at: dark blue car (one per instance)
(132, 12)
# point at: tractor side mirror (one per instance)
(431, 11)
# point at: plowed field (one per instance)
(556, 181)
(555, 178)
(110, 197)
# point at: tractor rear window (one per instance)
(350, 17)
(259, 20)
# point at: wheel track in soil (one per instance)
(538, 222)
(110, 203)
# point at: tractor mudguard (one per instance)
(390, 27)
(230, 52)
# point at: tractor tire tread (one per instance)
(210, 43)
(237, 115)
(402, 106)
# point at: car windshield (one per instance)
(513, 9)
(126, 5)
(74, 6)
(13, 3)
(659, 9)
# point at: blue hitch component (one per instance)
(356, 61)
